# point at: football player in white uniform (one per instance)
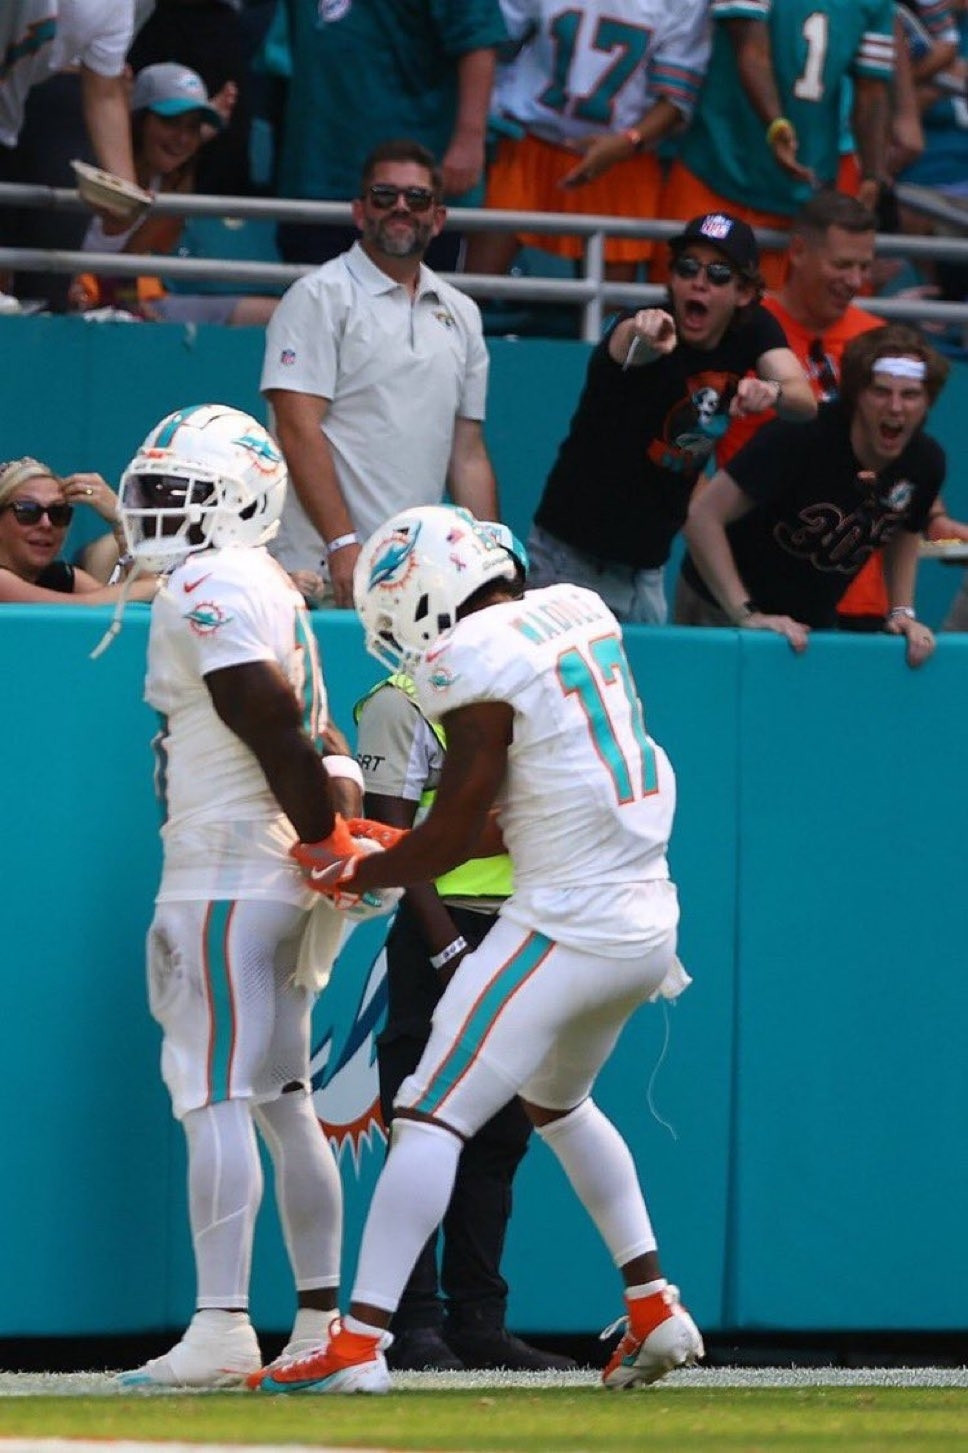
(542, 720)
(234, 673)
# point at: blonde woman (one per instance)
(36, 508)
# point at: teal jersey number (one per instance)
(594, 682)
(631, 44)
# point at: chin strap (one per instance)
(114, 629)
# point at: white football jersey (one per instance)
(602, 65)
(223, 833)
(587, 805)
(41, 37)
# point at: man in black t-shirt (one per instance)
(659, 392)
(775, 540)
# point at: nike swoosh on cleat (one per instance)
(191, 585)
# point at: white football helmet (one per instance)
(415, 572)
(206, 476)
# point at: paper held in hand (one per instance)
(109, 193)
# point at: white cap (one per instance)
(172, 90)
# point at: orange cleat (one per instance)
(347, 1362)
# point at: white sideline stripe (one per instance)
(110, 1445)
(102, 1384)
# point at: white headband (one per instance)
(901, 368)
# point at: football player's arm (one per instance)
(780, 384)
(712, 508)
(478, 737)
(470, 474)
(312, 472)
(345, 791)
(257, 703)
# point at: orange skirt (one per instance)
(524, 177)
(685, 196)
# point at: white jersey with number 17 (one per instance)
(587, 805)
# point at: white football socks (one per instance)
(410, 1199)
(309, 1192)
(599, 1165)
(224, 1191)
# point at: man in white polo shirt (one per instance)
(376, 371)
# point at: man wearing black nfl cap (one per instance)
(659, 391)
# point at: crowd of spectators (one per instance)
(803, 116)
(634, 109)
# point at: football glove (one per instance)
(378, 832)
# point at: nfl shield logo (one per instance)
(716, 226)
(287, 357)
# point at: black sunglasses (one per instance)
(823, 370)
(31, 512)
(384, 195)
(718, 273)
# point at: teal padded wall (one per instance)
(83, 395)
(815, 1077)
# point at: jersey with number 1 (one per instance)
(224, 834)
(587, 804)
(815, 46)
(600, 66)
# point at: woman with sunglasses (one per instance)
(660, 391)
(35, 514)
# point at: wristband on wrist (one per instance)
(781, 123)
(458, 946)
(341, 542)
(335, 764)
(901, 612)
(742, 612)
(779, 392)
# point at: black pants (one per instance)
(475, 1224)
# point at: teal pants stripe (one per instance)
(221, 1005)
(481, 1018)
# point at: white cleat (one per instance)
(219, 1349)
(674, 1342)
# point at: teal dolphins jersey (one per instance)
(816, 46)
(368, 70)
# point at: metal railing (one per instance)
(589, 291)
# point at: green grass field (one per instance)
(561, 1419)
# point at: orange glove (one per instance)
(328, 868)
(377, 832)
(327, 863)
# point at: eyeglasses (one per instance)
(31, 512)
(384, 195)
(718, 273)
(823, 370)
